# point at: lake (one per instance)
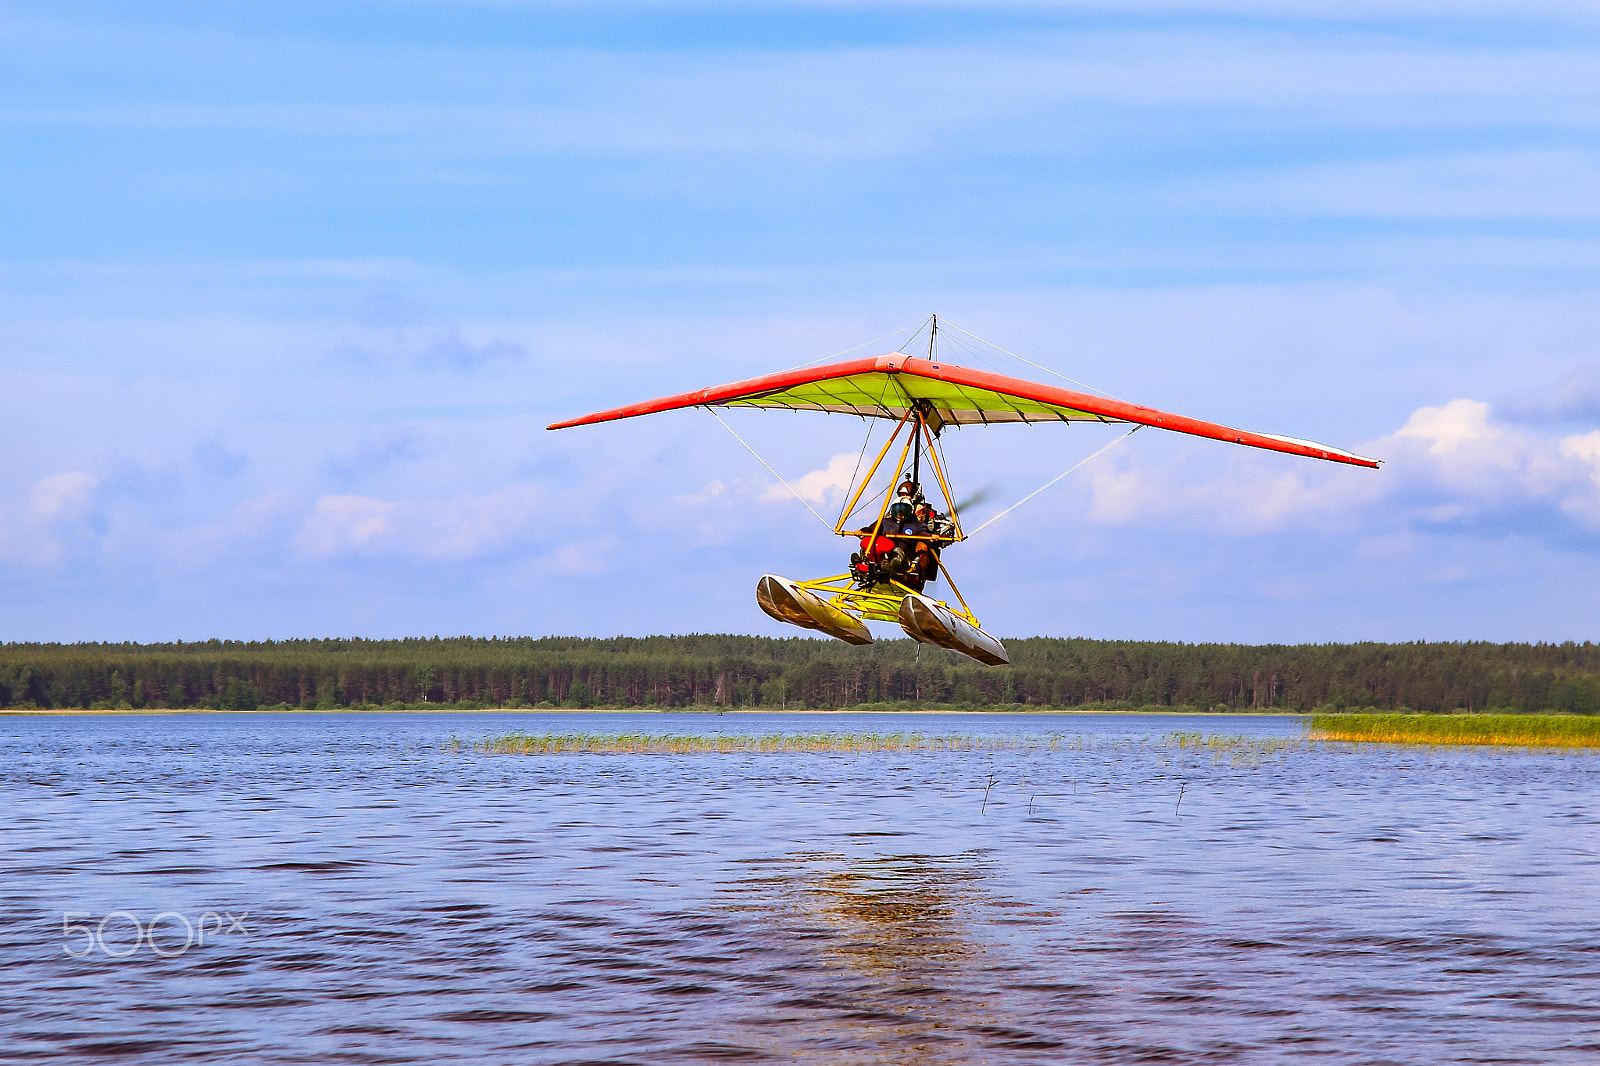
(1076, 888)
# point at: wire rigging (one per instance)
(1053, 480)
(858, 347)
(871, 425)
(963, 347)
(1030, 362)
(866, 502)
(768, 465)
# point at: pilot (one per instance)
(875, 547)
(909, 558)
(881, 542)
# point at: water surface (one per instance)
(370, 895)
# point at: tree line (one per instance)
(719, 670)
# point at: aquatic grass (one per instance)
(1237, 748)
(1519, 730)
(521, 743)
(1232, 745)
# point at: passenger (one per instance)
(909, 492)
(927, 551)
(939, 526)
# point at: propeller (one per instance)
(978, 497)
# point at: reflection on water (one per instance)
(366, 894)
(886, 942)
(891, 916)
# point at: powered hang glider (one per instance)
(906, 533)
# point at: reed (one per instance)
(520, 743)
(1237, 750)
(524, 743)
(1521, 730)
(1232, 745)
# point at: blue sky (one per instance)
(288, 293)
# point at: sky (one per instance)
(289, 292)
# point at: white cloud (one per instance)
(465, 527)
(59, 518)
(581, 558)
(343, 525)
(1460, 455)
(1245, 500)
(61, 498)
(384, 345)
(259, 524)
(714, 490)
(471, 527)
(1584, 448)
(1448, 464)
(819, 486)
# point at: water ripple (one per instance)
(366, 893)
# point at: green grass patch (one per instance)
(1522, 730)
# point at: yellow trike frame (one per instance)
(881, 602)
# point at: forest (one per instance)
(718, 671)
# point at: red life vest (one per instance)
(883, 546)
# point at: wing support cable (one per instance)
(858, 347)
(1052, 481)
(771, 471)
(859, 459)
(1030, 362)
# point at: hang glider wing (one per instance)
(890, 385)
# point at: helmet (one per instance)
(900, 512)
